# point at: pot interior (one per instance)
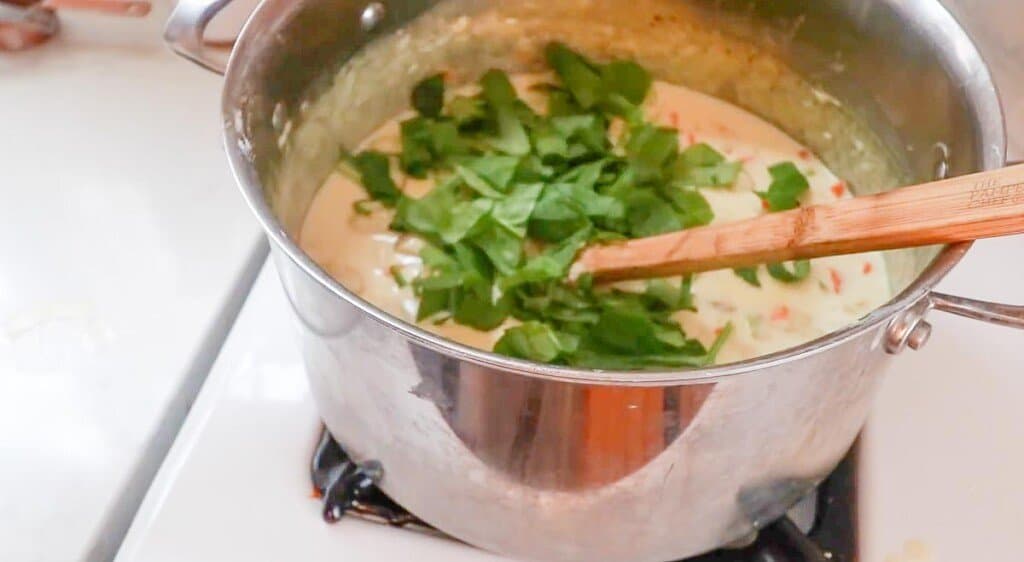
(886, 93)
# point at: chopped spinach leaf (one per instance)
(628, 79)
(801, 269)
(788, 184)
(427, 143)
(433, 302)
(518, 195)
(498, 90)
(502, 246)
(467, 112)
(398, 276)
(428, 96)
(556, 215)
(375, 173)
(579, 76)
(649, 215)
(363, 207)
(535, 341)
(480, 312)
(692, 207)
(477, 183)
(663, 293)
(512, 137)
(496, 170)
(429, 213)
(702, 166)
(649, 150)
(462, 218)
(748, 274)
(514, 210)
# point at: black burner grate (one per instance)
(348, 487)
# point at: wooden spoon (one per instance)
(954, 210)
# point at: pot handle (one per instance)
(996, 313)
(910, 329)
(186, 27)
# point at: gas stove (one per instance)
(819, 528)
(236, 484)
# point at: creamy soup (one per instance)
(362, 253)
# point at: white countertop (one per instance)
(943, 453)
(124, 251)
(236, 485)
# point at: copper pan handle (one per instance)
(185, 29)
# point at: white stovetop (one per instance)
(124, 251)
(235, 485)
(942, 457)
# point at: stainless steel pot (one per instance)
(547, 462)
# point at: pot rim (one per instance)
(963, 60)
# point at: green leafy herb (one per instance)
(456, 222)
(579, 76)
(748, 274)
(512, 137)
(553, 264)
(433, 302)
(428, 214)
(480, 312)
(428, 96)
(591, 84)
(375, 174)
(556, 215)
(502, 246)
(672, 297)
(649, 215)
(702, 166)
(363, 207)
(801, 269)
(788, 184)
(494, 169)
(649, 150)
(398, 276)
(627, 79)
(498, 90)
(517, 195)
(514, 210)
(477, 183)
(535, 341)
(427, 143)
(467, 112)
(692, 207)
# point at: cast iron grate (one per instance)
(349, 488)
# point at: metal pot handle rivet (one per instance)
(372, 16)
(919, 335)
(910, 329)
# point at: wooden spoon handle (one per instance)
(953, 210)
